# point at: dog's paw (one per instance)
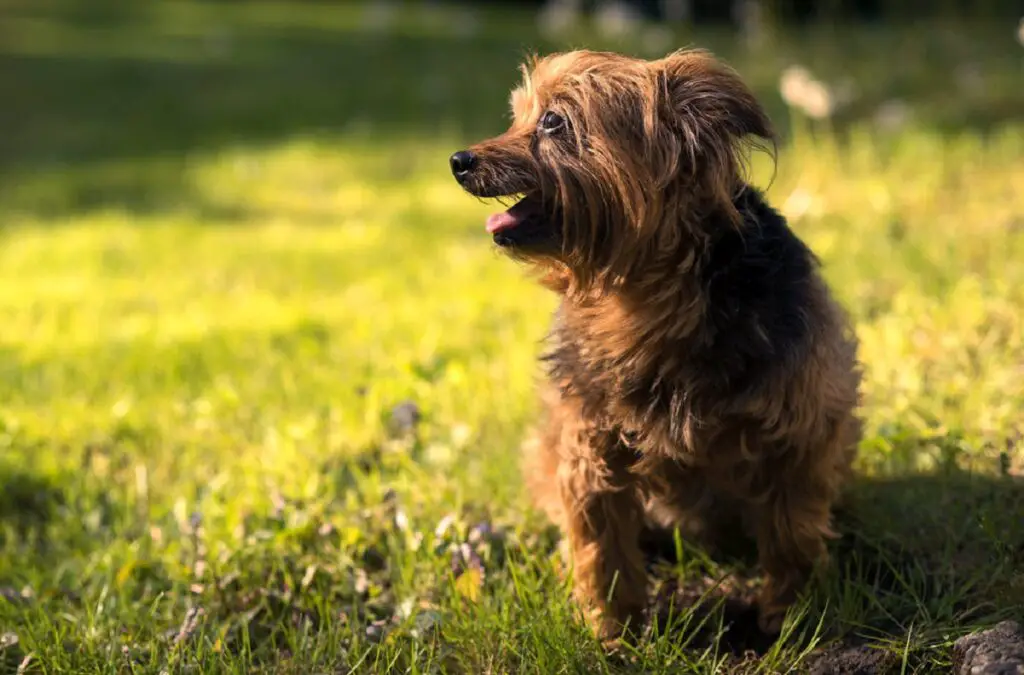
(612, 633)
(770, 619)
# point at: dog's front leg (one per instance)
(791, 533)
(603, 516)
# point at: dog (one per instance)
(700, 372)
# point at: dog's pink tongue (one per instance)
(501, 221)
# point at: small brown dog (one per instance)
(700, 372)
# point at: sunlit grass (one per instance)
(205, 336)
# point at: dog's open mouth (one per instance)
(524, 222)
(513, 217)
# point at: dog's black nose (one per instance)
(462, 163)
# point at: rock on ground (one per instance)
(997, 651)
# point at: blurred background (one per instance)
(255, 339)
(89, 85)
(94, 81)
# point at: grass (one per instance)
(230, 249)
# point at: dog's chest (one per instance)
(630, 398)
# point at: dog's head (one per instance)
(613, 159)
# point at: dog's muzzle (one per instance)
(526, 223)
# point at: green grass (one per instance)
(229, 247)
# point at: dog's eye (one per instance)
(550, 122)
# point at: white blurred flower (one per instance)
(405, 608)
(461, 434)
(401, 520)
(801, 203)
(1020, 32)
(818, 103)
(799, 89)
(443, 525)
(792, 83)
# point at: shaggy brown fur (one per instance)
(699, 369)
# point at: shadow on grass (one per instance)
(27, 500)
(921, 560)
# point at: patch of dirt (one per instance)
(853, 660)
(724, 613)
(996, 651)
(725, 616)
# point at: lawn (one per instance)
(264, 376)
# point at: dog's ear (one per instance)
(709, 104)
(712, 116)
(709, 94)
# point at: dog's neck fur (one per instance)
(732, 306)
